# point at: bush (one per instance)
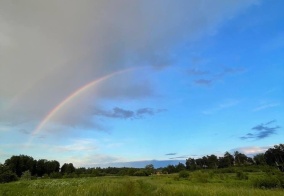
(267, 182)
(26, 175)
(199, 176)
(241, 175)
(225, 170)
(55, 175)
(183, 174)
(70, 175)
(8, 176)
(140, 173)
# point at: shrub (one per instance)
(140, 173)
(7, 176)
(241, 175)
(267, 182)
(200, 176)
(26, 175)
(225, 170)
(55, 175)
(183, 174)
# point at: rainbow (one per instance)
(75, 94)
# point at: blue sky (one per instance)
(185, 79)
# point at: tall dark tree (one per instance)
(229, 158)
(40, 167)
(190, 164)
(240, 158)
(51, 166)
(226, 161)
(67, 168)
(259, 159)
(170, 169)
(275, 156)
(212, 161)
(6, 175)
(21, 163)
(149, 169)
(180, 167)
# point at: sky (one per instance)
(122, 82)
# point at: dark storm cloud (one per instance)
(262, 131)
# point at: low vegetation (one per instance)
(196, 183)
(210, 175)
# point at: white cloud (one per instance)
(83, 145)
(91, 160)
(252, 150)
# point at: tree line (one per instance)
(23, 166)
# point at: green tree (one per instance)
(212, 161)
(67, 168)
(240, 159)
(226, 161)
(6, 175)
(26, 175)
(190, 164)
(170, 169)
(259, 159)
(275, 156)
(21, 163)
(149, 169)
(51, 166)
(180, 167)
(40, 167)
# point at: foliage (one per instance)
(6, 175)
(26, 175)
(140, 173)
(21, 163)
(183, 174)
(67, 168)
(241, 175)
(55, 175)
(180, 167)
(275, 156)
(225, 184)
(268, 181)
(200, 176)
(240, 158)
(269, 162)
(149, 169)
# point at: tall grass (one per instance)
(197, 183)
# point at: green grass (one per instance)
(198, 183)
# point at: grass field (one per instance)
(198, 183)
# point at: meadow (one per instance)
(188, 183)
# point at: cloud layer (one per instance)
(49, 49)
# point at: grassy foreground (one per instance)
(223, 184)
